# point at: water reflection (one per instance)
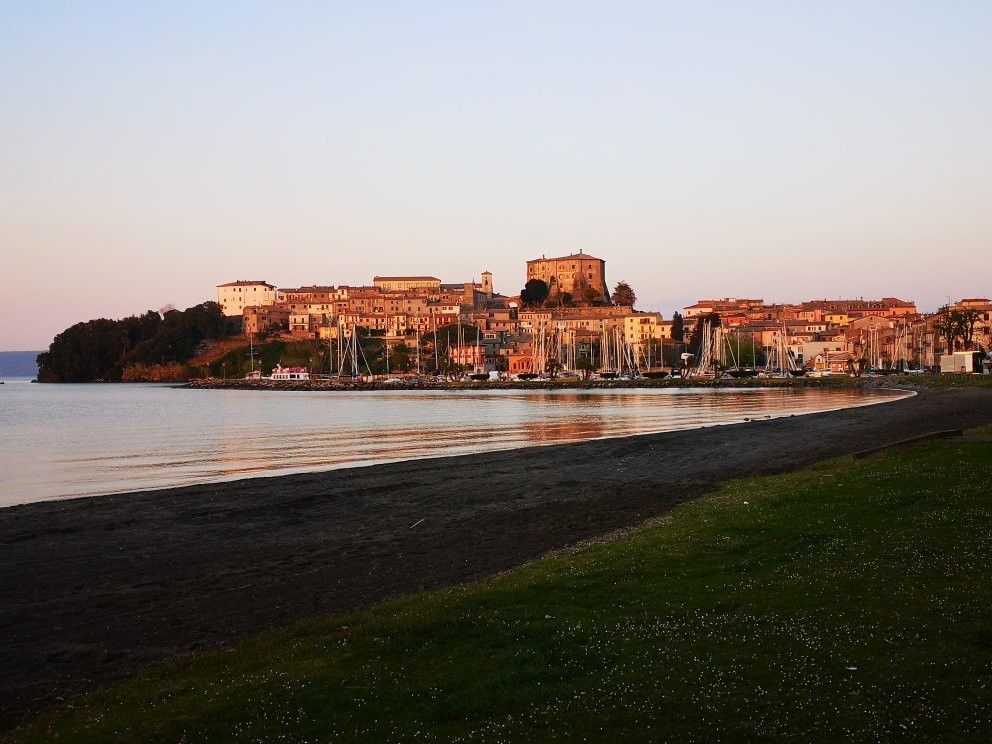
(76, 440)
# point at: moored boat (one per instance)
(289, 373)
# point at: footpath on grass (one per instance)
(848, 600)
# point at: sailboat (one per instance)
(739, 372)
(253, 374)
(479, 373)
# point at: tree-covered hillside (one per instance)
(101, 349)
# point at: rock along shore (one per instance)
(345, 384)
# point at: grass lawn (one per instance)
(852, 600)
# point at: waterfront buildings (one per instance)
(577, 321)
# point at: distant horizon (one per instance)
(153, 151)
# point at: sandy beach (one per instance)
(93, 590)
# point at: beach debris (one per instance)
(417, 523)
(745, 503)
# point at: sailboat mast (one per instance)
(437, 364)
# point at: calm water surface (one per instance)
(63, 441)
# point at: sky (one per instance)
(788, 151)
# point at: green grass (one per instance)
(846, 601)
(952, 381)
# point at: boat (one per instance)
(281, 373)
(742, 372)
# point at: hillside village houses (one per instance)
(829, 334)
(821, 334)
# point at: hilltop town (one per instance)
(565, 318)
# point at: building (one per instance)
(728, 306)
(312, 295)
(573, 274)
(887, 307)
(234, 297)
(978, 322)
(471, 357)
(400, 283)
(641, 328)
(265, 318)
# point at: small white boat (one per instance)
(289, 373)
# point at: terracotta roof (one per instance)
(245, 282)
(405, 279)
(311, 289)
(566, 258)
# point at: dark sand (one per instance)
(93, 590)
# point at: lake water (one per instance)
(63, 441)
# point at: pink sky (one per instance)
(785, 152)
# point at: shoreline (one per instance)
(358, 385)
(873, 394)
(98, 588)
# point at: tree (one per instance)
(696, 339)
(969, 317)
(399, 358)
(447, 336)
(624, 295)
(534, 292)
(101, 349)
(744, 352)
(586, 365)
(948, 324)
(85, 352)
(858, 367)
(678, 328)
(451, 369)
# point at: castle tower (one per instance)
(569, 272)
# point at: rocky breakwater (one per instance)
(559, 384)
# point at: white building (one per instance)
(234, 297)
